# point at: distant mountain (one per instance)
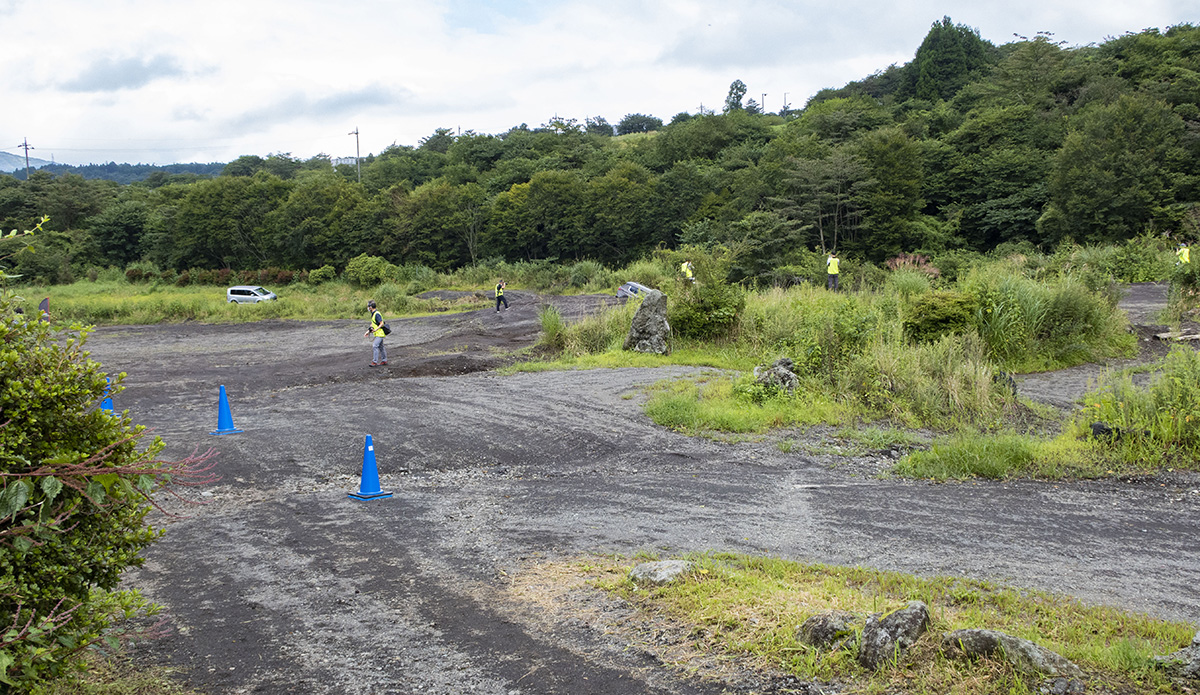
(13, 162)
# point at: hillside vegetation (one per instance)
(969, 146)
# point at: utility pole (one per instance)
(357, 163)
(762, 105)
(27, 147)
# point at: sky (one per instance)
(165, 81)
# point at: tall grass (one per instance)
(1158, 425)
(119, 302)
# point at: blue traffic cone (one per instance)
(368, 487)
(224, 417)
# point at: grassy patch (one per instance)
(122, 303)
(115, 675)
(713, 403)
(737, 610)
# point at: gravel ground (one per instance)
(279, 583)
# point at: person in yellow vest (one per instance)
(500, 295)
(379, 351)
(831, 267)
(689, 273)
(1183, 254)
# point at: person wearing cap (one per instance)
(831, 267)
(379, 354)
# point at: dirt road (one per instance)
(282, 584)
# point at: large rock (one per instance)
(827, 629)
(1185, 662)
(650, 331)
(884, 638)
(661, 572)
(779, 375)
(1021, 653)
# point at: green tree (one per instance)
(891, 205)
(821, 199)
(733, 100)
(220, 223)
(1117, 173)
(324, 219)
(950, 56)
(638, 123)
(440, 141)
(120, 229)
(598, 126)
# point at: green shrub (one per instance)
(323, 274)
(955, 264)
(936, 314)
(707, 310)
(584, 273)
(366, 271)
(74, 496)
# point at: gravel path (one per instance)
(282, 584)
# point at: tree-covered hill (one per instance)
(969, 145)
(133, 173)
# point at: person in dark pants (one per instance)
(379, 353)
(500, 295)
(831, 265)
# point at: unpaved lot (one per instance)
(280, 583)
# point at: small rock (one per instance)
(1184, 663)
(826, 629)
(884, 638)
(1021, 653)
(661, 572)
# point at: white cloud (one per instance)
(137, 80)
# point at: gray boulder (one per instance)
(661, 572)
(827, 629)
(649, 331)
(884, 638)
(1184, 663)
(779, 375)
(1021, 653)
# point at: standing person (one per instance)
(831, 267)
(379, 353)
(689, 273)
(1183, 254)
(500, 295)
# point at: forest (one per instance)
(970, 146)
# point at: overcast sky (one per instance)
(162, 81)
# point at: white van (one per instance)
(248, 294)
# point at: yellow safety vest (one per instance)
(1184, 254)
(686, 268)
(499, 290)
(377, 324)
(833, 266)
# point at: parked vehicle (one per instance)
(249, 294)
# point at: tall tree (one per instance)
(638, 123)
(733, 100)
(950, 55)
(1117, 172)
